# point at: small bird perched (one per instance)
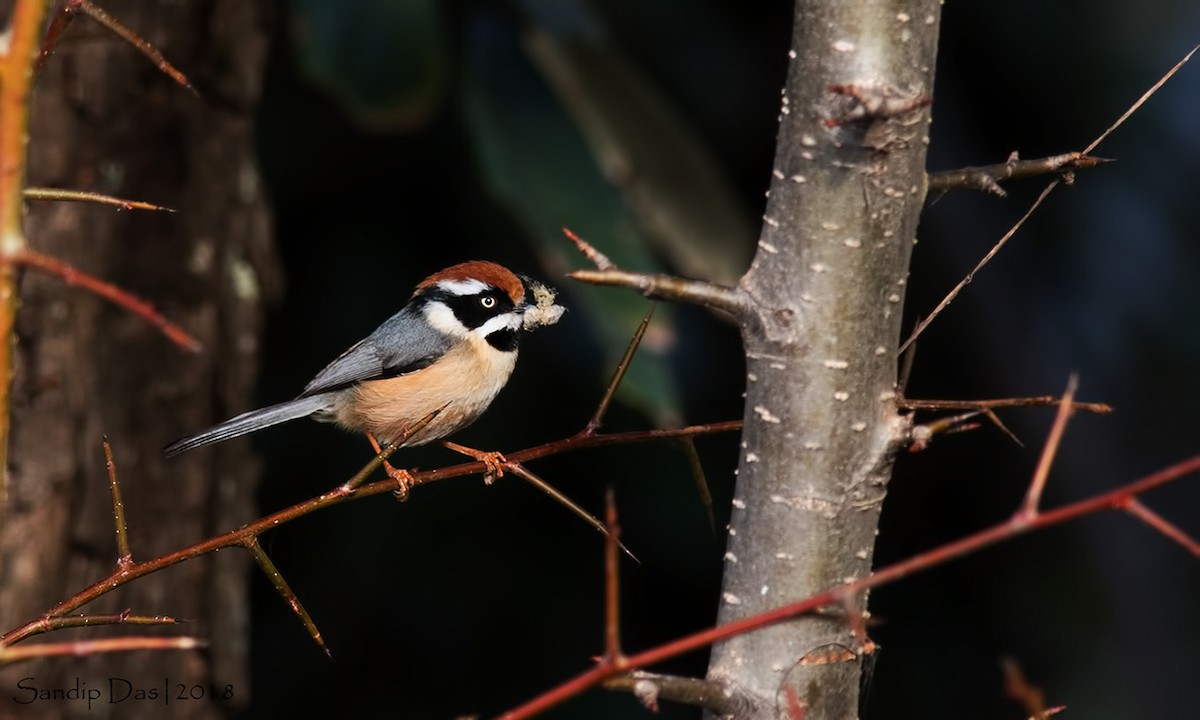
(441, 360)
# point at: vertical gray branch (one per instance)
(826, 291)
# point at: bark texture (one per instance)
(105, 119)
(826, 290)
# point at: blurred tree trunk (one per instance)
(105, 119)
(820, 327)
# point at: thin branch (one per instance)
(1135, 508)
(54, 33)
(1033, 497)
(1036, 401)
(612, 583)
(10, 655)
(987, 178)
(45, 625)
(281, 586)
(112, 293)
(114, 26)
(619, 373)
(41, 193)
(522, 472)
(1015, 526)
(1046, 192)
(693, 459)
(657, 286)
(979, 266)
(1141, 101)
(240, 537)
(697, 692)
(124, 554)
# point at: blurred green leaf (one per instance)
(385, 61)
(678, 195)
(537, 165)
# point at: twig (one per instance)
(619, 373)
(108, 291)
(46, 625)
(1036, 401)
(240, 537)
(979, 266)
(1029, 509)
(40, 193)
(124, 555)
(612, 583)
(522, 472)
(10, 655)
(1018, 524)
(1049, 188)
(657, 286)
(113, 25)
(1135, 508)
(281, 586)
(697, 692)
(987, 178)
(1141, 101)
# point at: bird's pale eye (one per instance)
(487, 301)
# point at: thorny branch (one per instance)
(1086, 152)
(1019, 524)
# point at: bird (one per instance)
(427, 372)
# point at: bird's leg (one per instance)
(492, 459)
(404, 479)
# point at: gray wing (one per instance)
(403, 344)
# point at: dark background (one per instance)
(471, 599)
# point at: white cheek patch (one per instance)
(507, 321)
(441, 318)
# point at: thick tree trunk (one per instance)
(105, 119)
(827, 286)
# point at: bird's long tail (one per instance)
(249, 422)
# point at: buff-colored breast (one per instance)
(462, 384)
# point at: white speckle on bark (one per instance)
(836, 364)
(739, 503)
(808, 141)
(751, 457)
(811, 445)
(903, 18)
(929, 19)
(861, 554)
(764, 590)
(776, 667)
(887, 395)
(778, 366)
(768, 247)
(806, 155)
(731, 557)
(858, 426)
(752, 377)
(888, 233)
(771, 221)
(784, 556)
(843, 46)
(799, 179)
(841, 396)
(731, 599)
(791, 54)
(880, 350)
(893, 298)
(830, 226)
(902, 282)
(819, 267)
(849, 579)
(852, 243)
(807, 297)
(776, 172)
